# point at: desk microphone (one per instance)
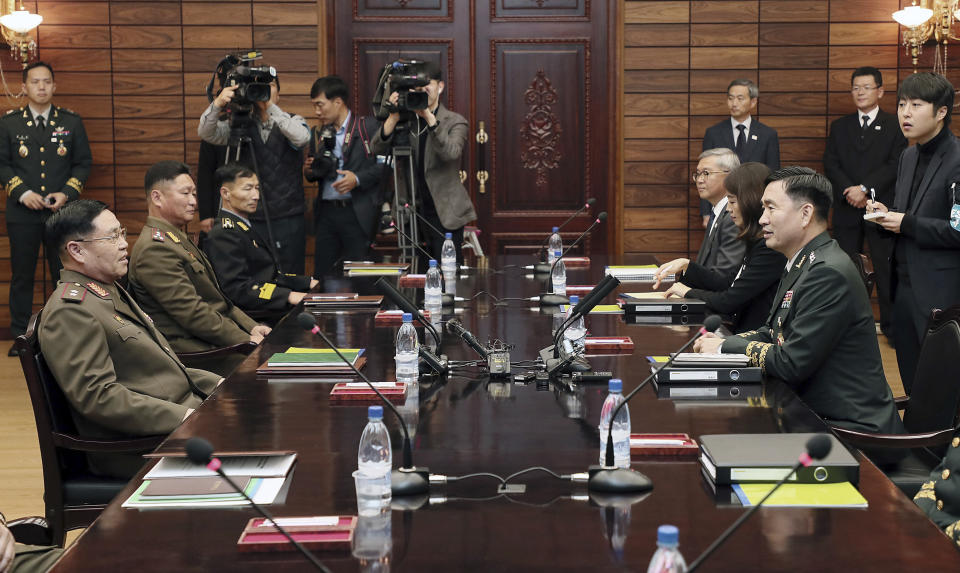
(455, 326)
(200, 452)
(543, 267)
(543, 246)
(608, 284)
(817, 446)
(408, 479)
(612, 479)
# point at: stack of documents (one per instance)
(369, 269)
(634, 273)
(322, 301)
(313, 361)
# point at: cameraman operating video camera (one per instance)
(437, 140)
(341, 160)
(277, 140)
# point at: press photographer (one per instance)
(437, 137)
(267, 139)
(341, 161)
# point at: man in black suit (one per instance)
(820, 337)
(925, 268)
(341, 159)
(720, 251)
(747, 137)
(861, 162)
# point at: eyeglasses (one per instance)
(121, 233)
(698, 174)
(862, 89)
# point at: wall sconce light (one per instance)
(17, 23)
(932, 19)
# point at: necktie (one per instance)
(741, 140)
(40, 122)
(866, 122)
(713, 216)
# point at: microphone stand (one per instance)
(404, 304)
(543, 246)
(408, 479)
(551, 353)
(446, 299)
(544, 267)
(612, 479)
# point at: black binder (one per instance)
(765, 458)
(696, 375)
(681, 319)
(633, 305)
(709, 392)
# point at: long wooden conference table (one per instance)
(470, 423)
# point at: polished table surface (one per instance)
(468, 424)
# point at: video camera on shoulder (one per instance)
(252, 82)
(403, 77)
(325, 163)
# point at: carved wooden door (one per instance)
(540, 76)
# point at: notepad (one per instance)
(838, 495)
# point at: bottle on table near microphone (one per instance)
(433, 288)
(374, 464)
(408, 353)
(554, 244)
(558, 276)
(621, 425)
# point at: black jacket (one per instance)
(762, 146)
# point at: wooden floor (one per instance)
(21, 482)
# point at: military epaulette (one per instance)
(227, 223)
(157, 235)
(66, 110)
(12, 111)
(98, 290)
(243, 225)
(73, 292)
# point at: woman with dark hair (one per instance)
(748, 299)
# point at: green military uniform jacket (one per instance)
(940, 497)
(175, 284)
(821, 340)
(55, 160)
(246, 269)
(115, 368)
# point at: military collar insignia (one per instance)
(173, 237)
(802, 260)
(243, 225)
(98, 290)
(227, 223)
(73, 292)
(158, 236)
(118, 319)
(813, 257)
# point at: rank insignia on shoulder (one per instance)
(73, 292)
(787, 299)
(243, 225)
(173, 237)
(117, 318)
(98, 290)
(227, 223)
(158, 235)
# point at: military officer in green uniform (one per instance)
(820, 337)
(245, 265)
(116, 369)
(44, 162)
(173, 280)
(939, 498)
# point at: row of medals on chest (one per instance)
(61, 148)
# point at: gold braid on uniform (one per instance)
(926, 492)
(757, 351)
(953, 532)
(76, 184)
(14, 182)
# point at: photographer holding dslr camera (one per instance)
(340, 159)
(437, 139)
(276, 139)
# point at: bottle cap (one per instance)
(574, 299)
(433, 263)
(557, 254)
(375, 412)
(407, 317)
(448, 235)
(615, 385)
(668, 534)
(556, 229)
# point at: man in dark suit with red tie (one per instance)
(861, 161)
(747, 137)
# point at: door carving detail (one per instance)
(541, 129)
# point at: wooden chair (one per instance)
(73, 496)
(931, 412)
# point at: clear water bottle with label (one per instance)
(554, 244)
(408, 352)
(621, 426)
(667, 558)
(576, 332)
(374, 462)
(559, 276)
(448, 255)
(433, 289)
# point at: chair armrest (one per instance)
(925, 439)
(31, 531)
(132, 445)
(244, 348)
(901, 402)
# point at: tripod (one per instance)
(406, 218)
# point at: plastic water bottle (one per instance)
(408, 351)
(576, 333)
(434, 287)
(554, 244)
(374, 462)
(559, 275)
(667, 559)
(448, 255)
(621, 426)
